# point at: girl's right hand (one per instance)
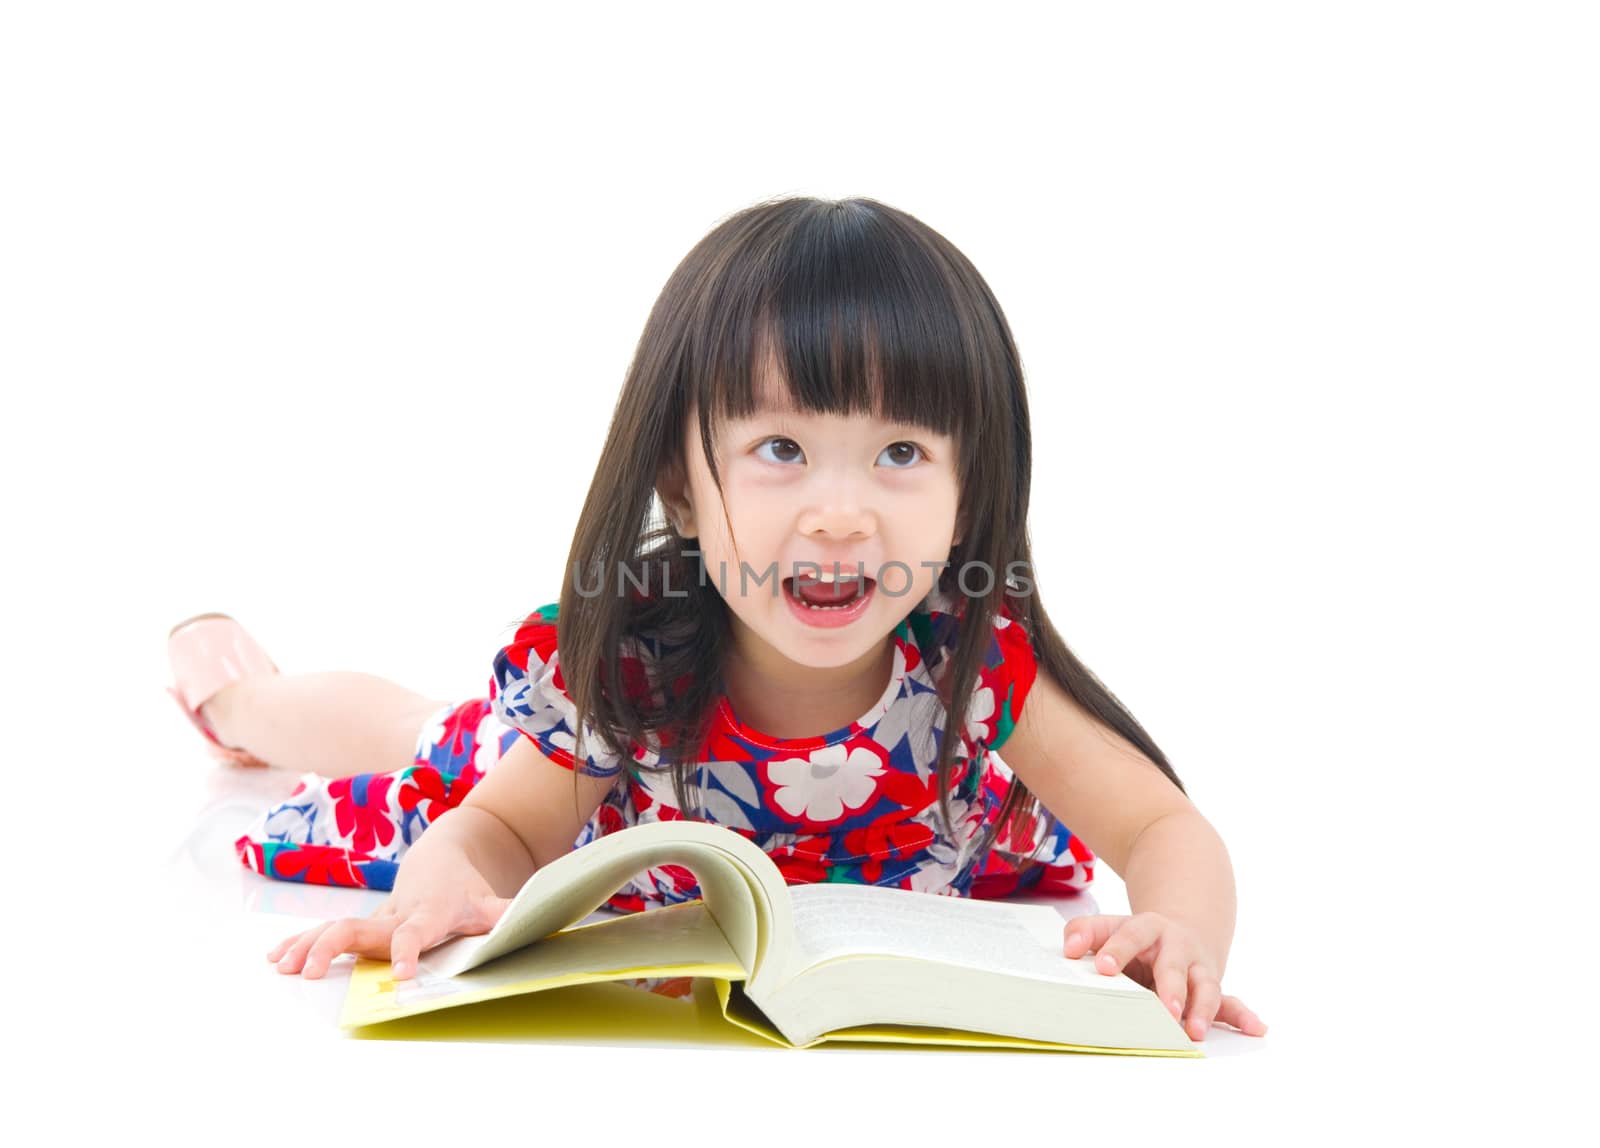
(408, 922)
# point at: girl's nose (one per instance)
(839, 512)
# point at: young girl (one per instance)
(803, 561)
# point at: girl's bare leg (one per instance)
(336, 724)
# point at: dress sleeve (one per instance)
(1009, 673)
(527, 693)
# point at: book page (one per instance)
(575, 884)
(676, 937)
(840, 996)
(834, 921)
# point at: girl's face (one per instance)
(802, 488)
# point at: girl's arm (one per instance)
(1127, 811)
(527, 812)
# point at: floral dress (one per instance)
(858, 804)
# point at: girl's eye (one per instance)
(904, 453)
(899, 449)
(783, 444)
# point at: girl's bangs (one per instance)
(858, 316)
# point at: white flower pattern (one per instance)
(822, 785)
(432, 733)
(486, 742)
(979, 714)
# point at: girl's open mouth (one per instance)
(826, 605)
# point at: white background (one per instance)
(316, 312)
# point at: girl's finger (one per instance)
(1089, 932)
(411, 936)
(294, 956)
(1234, 1012)
(1204, 995)
(277, 950)
(362, 936)
(1171, 975)
(329, 944)
(1135, 934)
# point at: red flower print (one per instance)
(360, 809)
(610, 819)
(318, 865)
(626, 902)
(425, 786)
(720, 743)
(992, 886)
(250, 853)
(889, 836)
(1023, 842)
(1080, 851)
(803, 863)
(800, 870)
(910, 792)
(682, 880)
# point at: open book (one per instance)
(795, 964)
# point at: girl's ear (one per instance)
(673, 490)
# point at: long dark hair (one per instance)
(866, 310)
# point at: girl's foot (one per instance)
(207, 653)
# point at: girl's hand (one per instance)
(399, 929)
(1166, 956)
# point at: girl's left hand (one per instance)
(1166, 956)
